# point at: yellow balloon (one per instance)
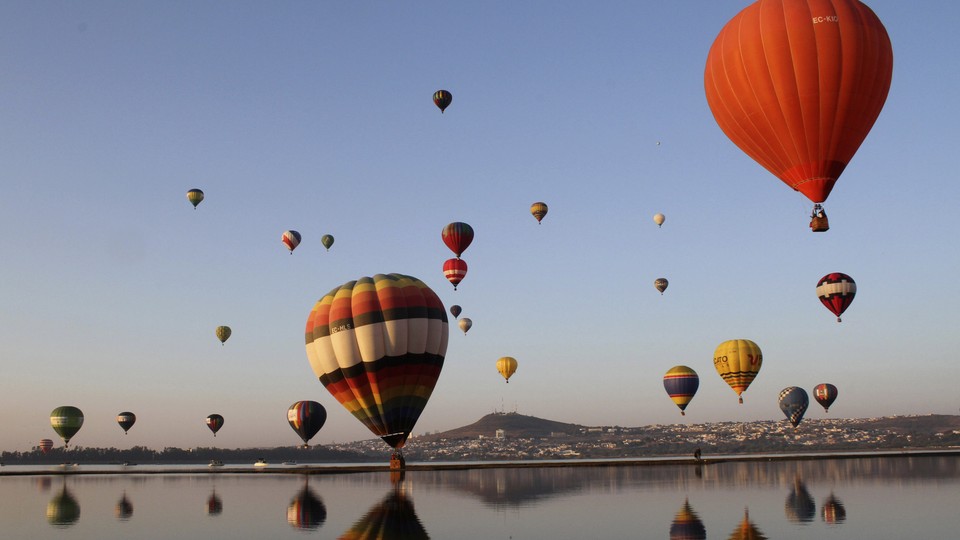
(507, 366)
(738, 362)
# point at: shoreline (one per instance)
(329, 468)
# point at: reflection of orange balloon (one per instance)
(797, 85)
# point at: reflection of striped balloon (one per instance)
(738, 361)
(392, 519)
(794, 402)
(836, 292)
(306, 510)
(687, 525)
(377, 345)
(681, 383)
(291, 239)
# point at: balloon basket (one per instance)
(397, 462)
(819, 221)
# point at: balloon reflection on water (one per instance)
(833, 511)
(800, 506)
(746, 530)
(124, 509)
(306, 510)
(687, 525)
(63, 510)
(214, 504)
(393, 518)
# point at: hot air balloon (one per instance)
(455, 310)
(306, 418)
(327, 241)
(45, 445)
(455, 270)
(66, 421)
(291, 239)
(661, 284)
(659, 219)
(507, 366)
(681, 384)
(465, 324)
(223, 333)
(836, 292)
(195, 196)
(214, 422)
(442, 99)
(457, 236)
(793, 402)
(797, 85)
(538, 209)
(738, 361)
(126, 420)
(377, 345)
(825, 394)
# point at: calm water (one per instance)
(875, 498)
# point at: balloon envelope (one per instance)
(327, 241)
(659, 219)
(465, 324)
(66, 421)
(794, 402)
(45, 445)
(291, 239)
(681, 384)
(214, 422)
(798, 84)
(455, 270)
(507, 366)
(442, 99)
(223, 333)
(738, 361)
(825, 394)
(377, 344)
(306, 418)
(455, 310)
(195, 196)
(836, 292)
(661, 284)
(457, 236)
(538, 209)
(126, 420)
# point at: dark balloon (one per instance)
(126, 420)
(306, 510)
(794, 403)
(825, 394)
(306, 418)
(455, 310)
(442, 99)
(214, 422)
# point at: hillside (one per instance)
(514, 425)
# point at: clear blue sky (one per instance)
(317, 116)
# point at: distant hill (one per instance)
(514, 426)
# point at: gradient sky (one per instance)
(317, 116)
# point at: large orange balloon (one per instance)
(797, 85)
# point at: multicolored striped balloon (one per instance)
(681, 384)
(538, 209)
(306, 418)
(291, 239)
(214, 422)
(377, 344)
(442, 99)
(738, 361)
(836, 292)
(45, 445)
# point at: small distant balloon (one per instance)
(794, 403)
(45, 445)
(659, 219)
(306, 418)
(223, 333)
(455, 270)
(214, 422)
(455, 310)
(327, 241)
(507, 366)
(836, 292)
(661, 284)
(825, 394)
(538, 209)
(457, 236)
(681, 384)
(442, 99)
(126, 420)
(291, 239)
(465, 324)
(195, 196)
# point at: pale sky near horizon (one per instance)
(317, 116)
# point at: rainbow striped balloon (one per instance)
(377, 344)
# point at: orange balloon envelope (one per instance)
(797, 85)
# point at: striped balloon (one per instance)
(681, 384)
(836, 292)
(738, 361)
(195, 196)
(442, 99)
(306, 418)
(66, 421)
(377, 344)
(214, 422)
(45, 445)
(455, 270)
(126, 420)
(538, 209)
(291, 239)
